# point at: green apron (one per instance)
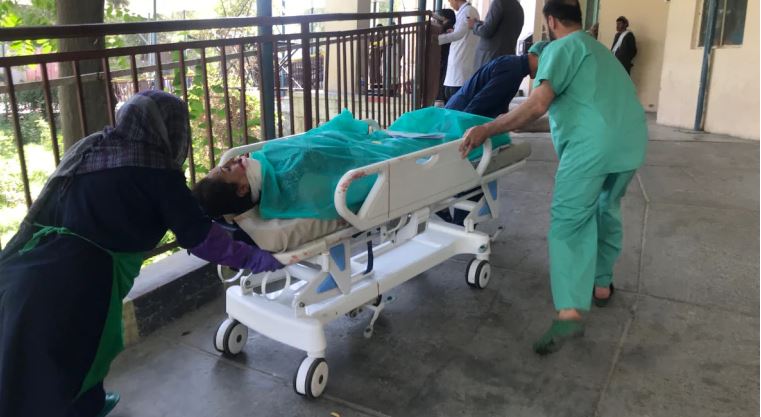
(126, 267)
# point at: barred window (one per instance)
(730, 22)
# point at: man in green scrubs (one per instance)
(599, 132)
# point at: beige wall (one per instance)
(647, 19)
(343, 6)
(648, 22)
(538, 20)
(733, 103)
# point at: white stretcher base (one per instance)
(399, 264)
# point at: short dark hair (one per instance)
(218, 198)
(623, 19)
(566, 11)
(447, 14)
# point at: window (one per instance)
(730, 22)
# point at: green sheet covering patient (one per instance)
(297, 177)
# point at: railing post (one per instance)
(264, 8)
(427, 43)
(306, 76)
(421, 32)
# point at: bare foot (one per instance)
(569, 314)
(602, 293)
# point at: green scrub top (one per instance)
(598, 125)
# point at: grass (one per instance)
(40, 164)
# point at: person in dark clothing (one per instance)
(489, 91)
(74, 258)
(447, 19)
(624, 44)
(499, 31)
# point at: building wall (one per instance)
(733, 103)
(538, 20)
(343, 6)
(647, 20)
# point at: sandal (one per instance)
(602, 302)
(559, 332)
(112, 398)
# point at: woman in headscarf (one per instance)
(64, 274)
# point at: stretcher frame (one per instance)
(393, 237)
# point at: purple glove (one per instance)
(220, 248)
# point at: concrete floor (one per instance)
(680, 339)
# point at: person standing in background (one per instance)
(489, 92)
(461, 60)
(447, 18)
(499, 32)
(624, 45)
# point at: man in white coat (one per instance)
(461, 61)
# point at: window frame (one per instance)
(721, 20)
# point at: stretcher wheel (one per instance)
(231, 336)
(311, 378)
(478, 273)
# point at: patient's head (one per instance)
(226, 189)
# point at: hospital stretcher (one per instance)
(393, 237)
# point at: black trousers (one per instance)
(449, 92)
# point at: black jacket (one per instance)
(499, 31)
(627, 51)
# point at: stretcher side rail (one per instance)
(440, 168)
(377, 209)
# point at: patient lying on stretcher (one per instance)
(232, 190)
(290, 183)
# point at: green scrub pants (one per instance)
(585, 236)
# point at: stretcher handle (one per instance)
(239, 150)
(266, 279)
(485, 158)
(230, 280)
(246, 149)
(339, 197)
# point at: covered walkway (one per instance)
(680, 339)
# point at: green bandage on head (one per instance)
(538, 47)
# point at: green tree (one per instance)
(38, 13)
(95, 103)
(62, 12)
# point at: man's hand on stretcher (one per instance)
(536, 105)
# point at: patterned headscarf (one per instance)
(152, 131)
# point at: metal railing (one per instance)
(377, 73)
